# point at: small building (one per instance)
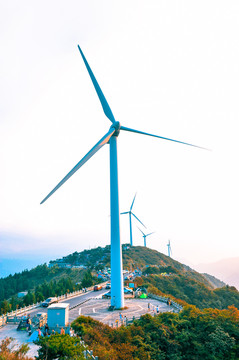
(60, 264)
(58, 315)
(22, 293)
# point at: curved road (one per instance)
(73, 301)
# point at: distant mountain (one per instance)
(216, 283)
(225, 269)
(11, 266)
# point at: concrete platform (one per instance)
(98, 309)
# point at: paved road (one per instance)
(73, 301)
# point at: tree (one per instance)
(219, 343)
(29, 298)
(87, 279)
(5, 307)
(60, 347)
(7, 352)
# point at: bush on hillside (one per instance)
(60, 347)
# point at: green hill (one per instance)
(164, 276)
(139, 256)
(135, 257)
(160, 274)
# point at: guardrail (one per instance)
(88, 354)
(14, 314)
(3, 320)
(165, 299)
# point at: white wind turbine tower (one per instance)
(111, 137)
(169, 249)
(145, 235)
(130, 212)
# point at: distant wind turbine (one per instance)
(169, 249)
(145, 235)
(130, 212)
(117, 295)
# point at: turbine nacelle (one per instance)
(116, 125)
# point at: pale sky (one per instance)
(168, 68)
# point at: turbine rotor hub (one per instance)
(116, 126)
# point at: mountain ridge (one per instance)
(225, 269)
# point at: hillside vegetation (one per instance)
(214, 281)
(192, 334)
(135, 257)
(143, 256)
(163, 275)
(186, 290)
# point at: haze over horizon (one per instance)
(226, 270)
(166, 68)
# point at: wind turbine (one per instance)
(169, 249)
(117, 295)
(145, 235)
(130, 212)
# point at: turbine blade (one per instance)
(150, 233)
(141, 231)
(138, 219)
(161, 137)
(104, 103)
(97, 147)
(126, 212)
(131, 207)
